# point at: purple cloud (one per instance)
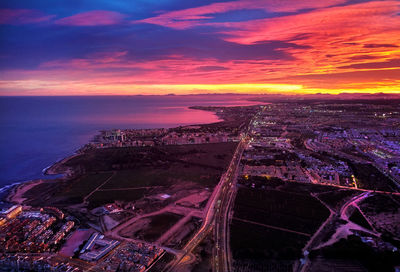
(92, 18)
(22, 16)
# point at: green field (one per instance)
(353, 248)
(272, 223)
(66, 192)
(297, 212)
(192, 166)
(253, 242)
(165, 176)
(216, 155)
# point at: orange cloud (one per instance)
(337, 48)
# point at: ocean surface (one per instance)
(35, 132)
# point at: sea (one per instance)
(35, 132)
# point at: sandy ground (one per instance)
(16, 195)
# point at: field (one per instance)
(253, 243)
(380, 203)
(139, 170)
(66, 192)
(103, 197)
(271, 226)
(163, 176)
(359, 219)
(336, 198)
(383, 211)
(151, 228)
(215, 156)
(159, 224)
(368, 177)
(355, 250)
(297, 212)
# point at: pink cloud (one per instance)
(340, 24)
(334, 37)
(191, 17)
(92, 18)
(22, 16)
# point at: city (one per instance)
(200, 136)
(280, 191)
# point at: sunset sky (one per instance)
(70, 47)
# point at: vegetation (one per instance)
(281, 217)
(336, 198)
(66, 192)
(354, 249)
(298, 212)
(216, 156)
(359, 219)
(368, 177)
(254, 242)
(380, 203)
(196, 166)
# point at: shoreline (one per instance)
(13, 193)
(17, 192)
(54, 169)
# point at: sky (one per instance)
(90, 47)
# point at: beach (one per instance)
(16, 195)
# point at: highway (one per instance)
(224, 206)
(222, 252)
(217, 213)
(215, 210)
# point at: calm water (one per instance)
(37, 131)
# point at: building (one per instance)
(12, 212)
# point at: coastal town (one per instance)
(280, 186)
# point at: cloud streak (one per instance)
(23, 16)
(199, 16)
(92, 18)
(322, 46)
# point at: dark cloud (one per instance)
(356, 76)
(373, 45)
(364, 57)
(211, 68)
(393, 63)
(26, 47)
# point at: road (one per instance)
(316, 239)
(221, 195)
(222, 252)
(217, 212)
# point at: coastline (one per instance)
(17, 192)
(13, 193)
(57, 167)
